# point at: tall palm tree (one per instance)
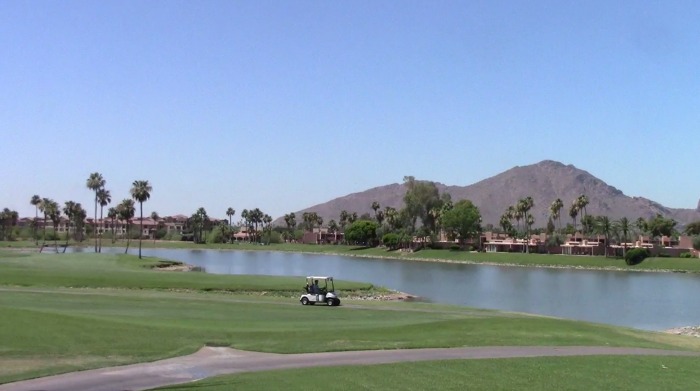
(624, 226)
(126, 211)
(604, 226)
(230, 212)
(291, 221)
(155, 217)
(95, 182)
(36, 201)
(141, 192)
(573, 213)
(43, 207)
(112, 214)
(555, 210)
(104, 198)
(582, 202)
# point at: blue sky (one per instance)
(285, 104)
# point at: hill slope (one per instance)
(544, 182)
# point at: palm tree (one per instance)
(95, 182)
(54, 212)
(624, 225)
(375, 207)
(112, 214)
(155, 217)
(126, 211)
(604, 226)
(582, 202)
(343, 221)
(69, 211)
(103, 198)
(267, 221)
(141, 192)
(505, 224)
(43, 208)
(36, 201)
(555, 210)
(291, 221)
(573, 213)
(230, 212)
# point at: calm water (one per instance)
(651, 301)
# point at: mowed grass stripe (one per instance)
(549, 373)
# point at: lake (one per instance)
(651, 301)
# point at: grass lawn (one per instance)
(650, 264)
(555, 373)
(124, 312)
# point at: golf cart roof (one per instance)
(319, 278)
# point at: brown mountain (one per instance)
(544, 182)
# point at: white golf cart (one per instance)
(315, 293)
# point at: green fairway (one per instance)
(75, 311)
(127, 271)
(550, 373)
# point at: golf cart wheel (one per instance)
(330, 302)
(304, 301)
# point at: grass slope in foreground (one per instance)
(549, 373)
(47, 328)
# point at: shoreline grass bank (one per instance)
(655, 264)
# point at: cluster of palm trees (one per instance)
(52, 211)
(140, 192)
(254, 217)
(519, 211)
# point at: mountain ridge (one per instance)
(544, 182)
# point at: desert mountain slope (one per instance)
(544, 182)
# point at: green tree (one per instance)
(692, 229)
(95, 182)
(36, 201)
(463, 221)
(141, 192)
(104, 198)
(8, 220)
(126, 211)
(660, 226)
(420, 198)
(362, 232)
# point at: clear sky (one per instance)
(281, 105)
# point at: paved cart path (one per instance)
(212, 361)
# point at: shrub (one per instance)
(696, 242)
(686, 255)
(391, 240)
(635, 256)
(455, 247)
